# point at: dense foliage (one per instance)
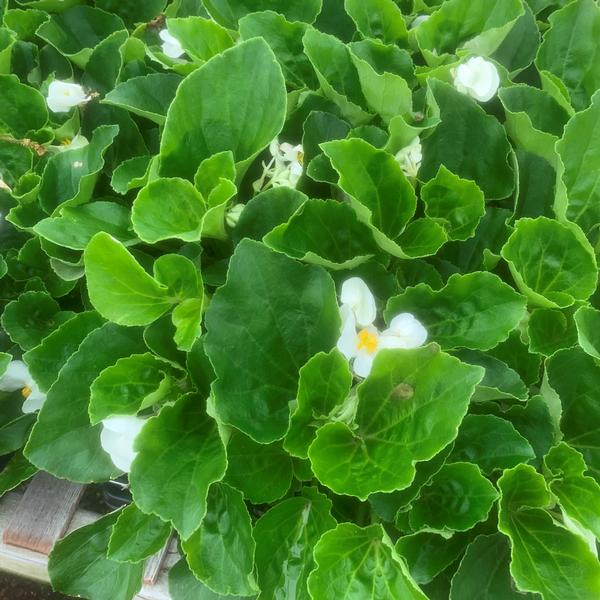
(320, 278)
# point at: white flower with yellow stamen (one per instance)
(409, 158)
(117, 439)
(361, 345)
(18, 377)
(171, 46)
(284, 168)
(63, 96)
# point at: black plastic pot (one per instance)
(115, 494)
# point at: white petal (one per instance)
(405, 331)
(171, 45)
(363, 363)
(346, 344)
(130, 425)
(34, 401)
(477, 77)
(16, 377)
(356, 294)
(62, 96)
(119, 448)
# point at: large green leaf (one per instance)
(221, 552)
(457, 497)
(575, 376)
(378, 19)
(183, 585)
(578, 195)
(552, 263)
(243, 113)
(570, 52)
(324, 385)
(260, 333)
(468, 142)
(79, 566)
(360, 564)
(546, 558)
(118, 286)
(476, 311)
(404, 415)
(285, 539)
(490, 442)
(22, 107)
(137, 536)
(168, 208)
(62, 441)
(578, 494)
(180, 455)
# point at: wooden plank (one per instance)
(34, 565)
(155, 563)
(43, 514)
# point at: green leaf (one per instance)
(468, 142)
(380, 193)
(578, 197)
(337, 74)
(22, 107)
(578, 495)
(76, 225)
(119, 288)
(457, 203)
(78, 30)
(30, 318)
(285, 539)
(256, 382)
(105, 63)
(569, 51)
(549, 330)
(324, 385)
(325, 233)
(228, 12)
(587, 320)
(484, 571)
(62, 441)
(360, 563)
(168, 208)
(243, 113)
(263, 472)
(47, 359)
(70, 176)
(285, 39)
(403, 416)
(428, 554)
(546, 558)
(185, 436)
(457, 498)
(476, 311)
(552, 263)
(201, 38)
(378, 19)
(79, 565)
(131, 384)
(147, 96)
(132, 11)
(491, 443)
(18, 470)
(221, 552)
(575, 377)
(136, 536)
(131, 174)
(187, 319)
(183, 585)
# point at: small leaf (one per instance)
(201, 38)
(587, 320)
(378, 19)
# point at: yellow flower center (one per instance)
(368, 340)
(65, 142)
(26, 392)
(301, 158)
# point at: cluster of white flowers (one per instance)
(18, 378)
(410, 158)
(360, 340)
(63, 96)
(477, 78)
(117, 439)
(284, 168)
(171, 46)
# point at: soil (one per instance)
(15, 588)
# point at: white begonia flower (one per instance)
(63, 96)
(477, 77)
(117, 439)
(171, 46)
(418, 20)
(284, 168)
(233, 215)
(79, 141)
(409, 158)
(361, 347)
(18, 377)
